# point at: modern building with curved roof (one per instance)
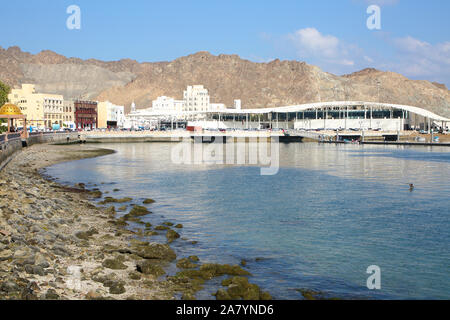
(332, 115)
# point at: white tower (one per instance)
(237, 104)
(133, 107)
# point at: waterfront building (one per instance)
(69, 114)
(110, 115)
(85, 114)
(168, 104)
(196, 98)
(41, 109)
(216, 106)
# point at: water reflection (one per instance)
(329, 213)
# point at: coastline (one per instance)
(56, 244)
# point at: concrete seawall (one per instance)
(10, 144)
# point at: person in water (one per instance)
(411, 187)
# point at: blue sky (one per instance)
(332, 34)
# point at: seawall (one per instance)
(11, 143)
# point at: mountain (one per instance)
(227, 77)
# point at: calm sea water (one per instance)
(329, 213)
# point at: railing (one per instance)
(13, 136)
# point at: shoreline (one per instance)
(56, 244)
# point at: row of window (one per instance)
(51, 101)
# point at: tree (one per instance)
(4, 91)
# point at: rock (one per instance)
(122, 208)
(51, 294)
(5, 255)
(9, 286)
(135, 275)
(179, 226)
(194, 258)
(113, 200)
(60, 250)
(114, 264)
(188, 296)
(171, 235)
(148, 201)
(38, 270)
(161, 228)
(96, 194)
(136, 211)
(185, 263)
(169, 224)
(86, 235)
(243, 263)
(240, 288)
(224, 269)
(222, 294)
(117, 287)
(111, 211)
(155, 251)
(41, 261)
(148, 267)
(92, 295)
(311, 294)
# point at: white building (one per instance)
(110, 115)
(216, 107)
(237, 104)
(167, 104)
(196, 98)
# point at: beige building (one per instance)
(196, 98)
(69, 114)
(109, 115)
(41, 109)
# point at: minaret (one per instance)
(133, 107)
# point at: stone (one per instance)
(37, 270)
(155, 251)
(135, 275)
(171, 235)
(113, 200)
(148, 201)
(92, 295)
(240, 288)
(136, 212)
(161, 228)
(114, 264)
(148, 267)
(185, 263)
(51, 294)
(222, 294)
(41, 261)
(224, 269)
(9, 286)
(117, 287)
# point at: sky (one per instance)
(412, 39)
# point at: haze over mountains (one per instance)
(227, 77)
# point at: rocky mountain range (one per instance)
(227, 77)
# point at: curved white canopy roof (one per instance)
(300, 108)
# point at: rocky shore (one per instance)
(55, 243)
